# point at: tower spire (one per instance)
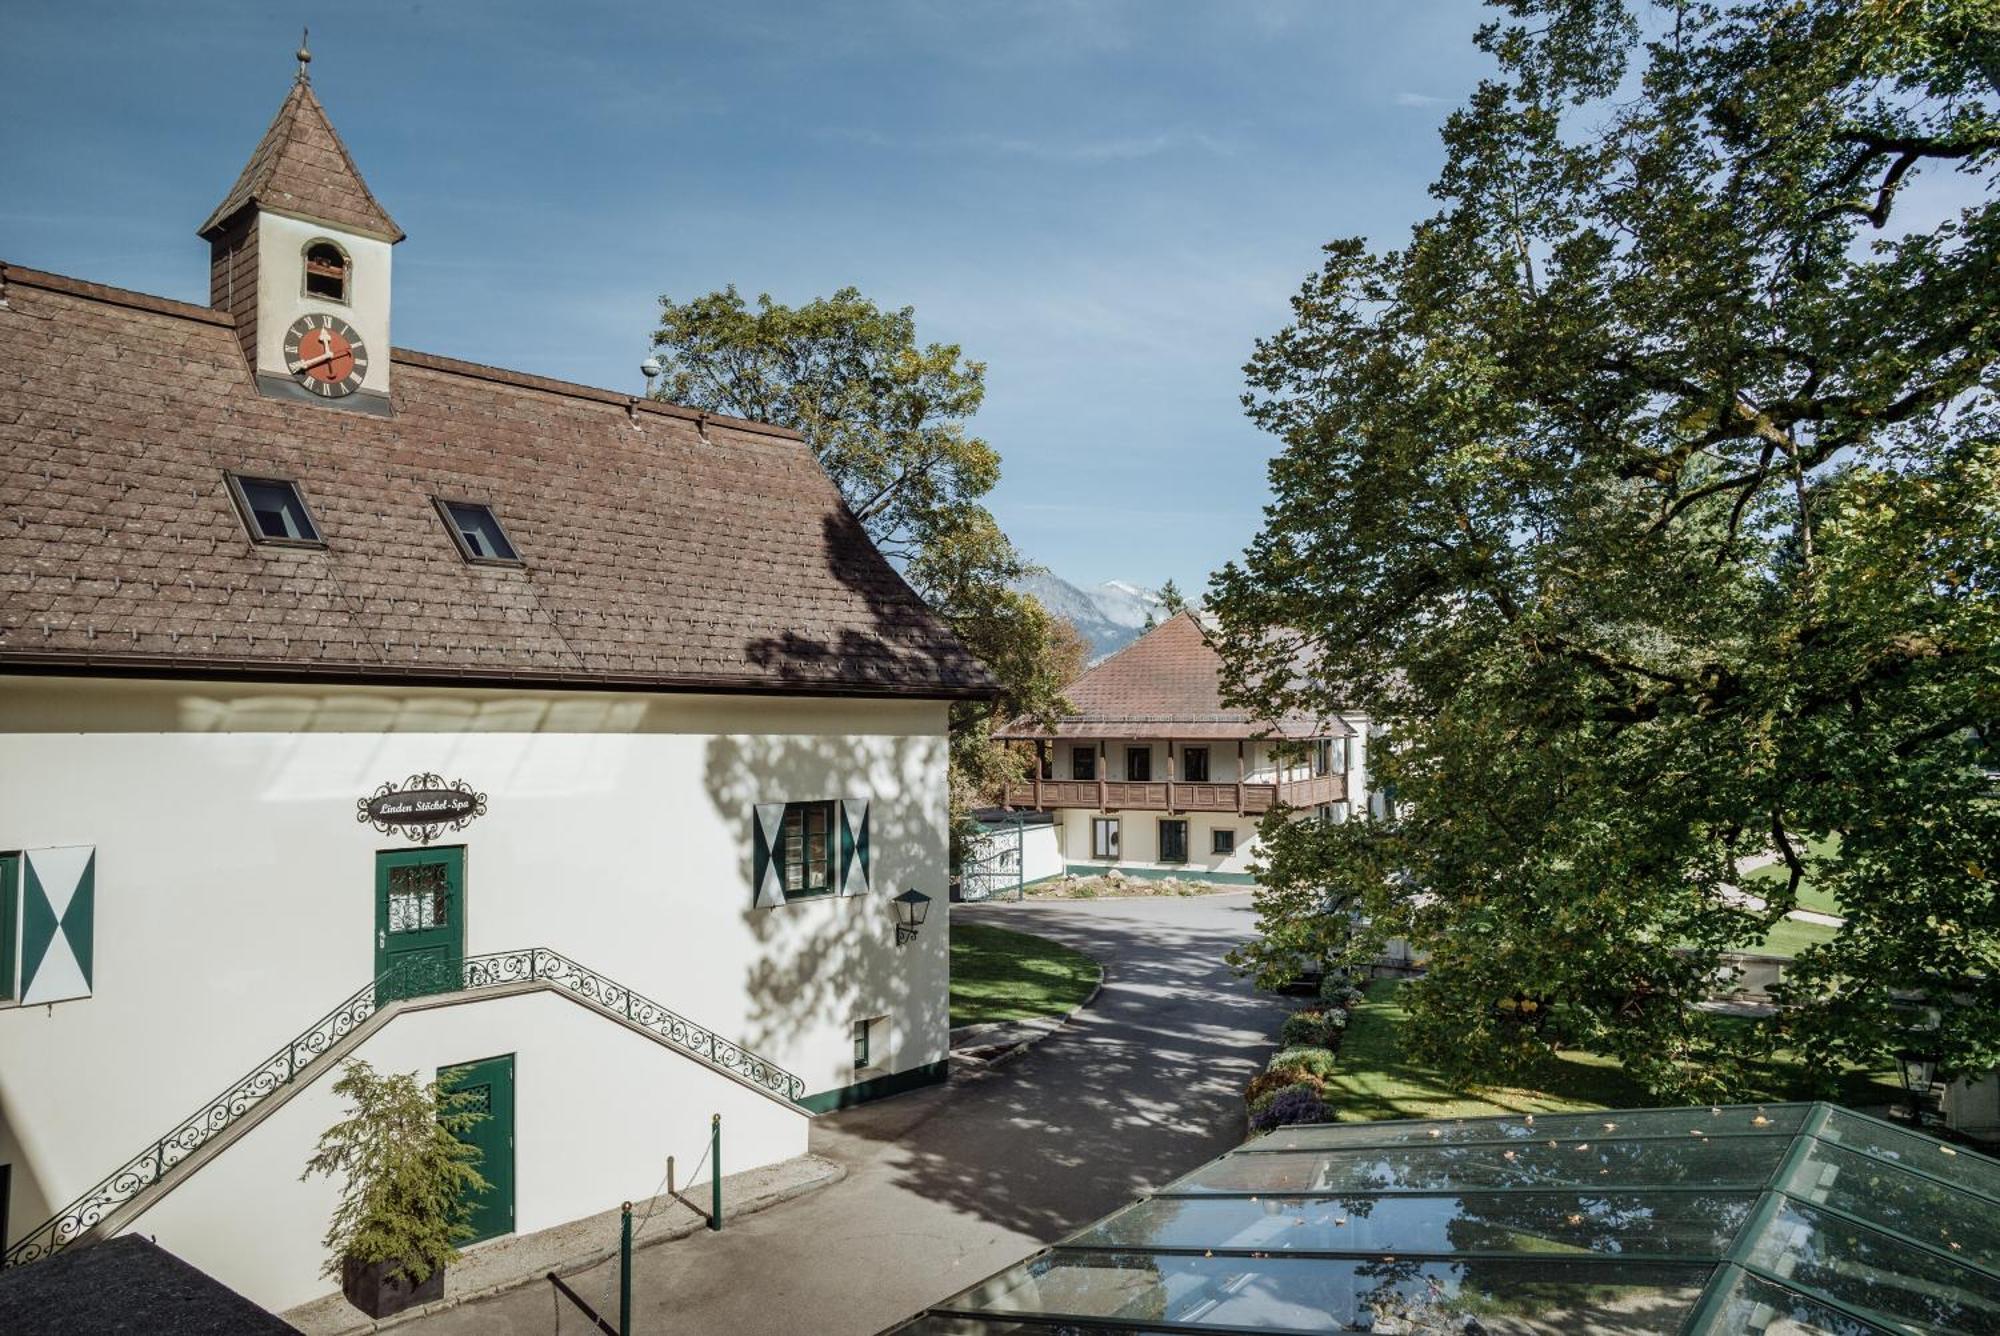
(305, 55)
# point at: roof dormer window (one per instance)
(274, 510)
(326, 271)
(476, 530)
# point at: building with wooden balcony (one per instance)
(1154, 775)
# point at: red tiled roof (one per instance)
(664, 548)
(301, 167)
(1167, 683)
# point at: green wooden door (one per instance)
(490, 1082)
(419, 921)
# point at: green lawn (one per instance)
(997, 975)
(1776, 875)
(1787, 936)
(1375, 1080)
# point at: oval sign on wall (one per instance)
(421, 807)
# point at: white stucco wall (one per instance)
(282, 298)
(1139, 841)
(235, 888)
(1039, 845)
(597, 1110)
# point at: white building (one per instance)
(1154, 775)
(594, 727)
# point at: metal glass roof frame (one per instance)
(1728, 1267)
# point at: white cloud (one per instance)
(1418, 100)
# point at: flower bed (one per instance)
(1292, 1086)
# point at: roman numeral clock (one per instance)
(325, 355)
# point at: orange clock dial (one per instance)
(325, 355)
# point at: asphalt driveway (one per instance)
(947, 1185)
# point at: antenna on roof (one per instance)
(305, 55)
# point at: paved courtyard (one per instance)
(948, 1185)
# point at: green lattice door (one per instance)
(419, 921)
(490, 1085)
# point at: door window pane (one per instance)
(1082, 763)
(1104, 837)
(1173, 841)
(1194, 765)
(419, 897)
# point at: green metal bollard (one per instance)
(625, 1272)
(715, 1172)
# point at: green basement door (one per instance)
(490, 1083)
(419, 921)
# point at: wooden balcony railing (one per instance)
(1112, 795)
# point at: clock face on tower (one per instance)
(325, 355)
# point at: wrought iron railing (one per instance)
(552, 967)
(412, 978)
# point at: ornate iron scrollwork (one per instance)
(412, 977)
(422, 807)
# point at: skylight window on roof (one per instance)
(476, 530)
(274, 510)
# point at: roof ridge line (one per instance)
(49, 281)
(69, 285)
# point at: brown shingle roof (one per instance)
(1167, 683)
(301, 167)
(664, 548)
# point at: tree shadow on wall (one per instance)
(834, 958)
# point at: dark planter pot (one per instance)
(378, 1289)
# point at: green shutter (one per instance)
(767, 821)
(10, 913)
(854, 877)
(58, 913)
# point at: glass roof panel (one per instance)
(1976, 1173)
(1716, 1162)
(1681, 1225)
(1908, 1203)
(1301, 1295)
(1755, 1307)
(1767, 1119)
(1823, 1255)
(941, 1324)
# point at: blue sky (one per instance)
(1106, 202)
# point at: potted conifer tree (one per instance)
(408, 1182)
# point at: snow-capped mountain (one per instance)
(1111, 615)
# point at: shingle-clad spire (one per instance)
(301, 167)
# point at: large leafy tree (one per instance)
(1650, 497)
(888, 419)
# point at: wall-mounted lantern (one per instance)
(1918, 1068)
(911, 906)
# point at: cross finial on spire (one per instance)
(305, 56)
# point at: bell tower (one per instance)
(299, 254)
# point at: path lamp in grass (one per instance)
(1918, 1068)
(911, 906)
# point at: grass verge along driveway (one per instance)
(998, 975)
(1375, 1078)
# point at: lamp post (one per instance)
(1918, 1069)
(911, 906)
